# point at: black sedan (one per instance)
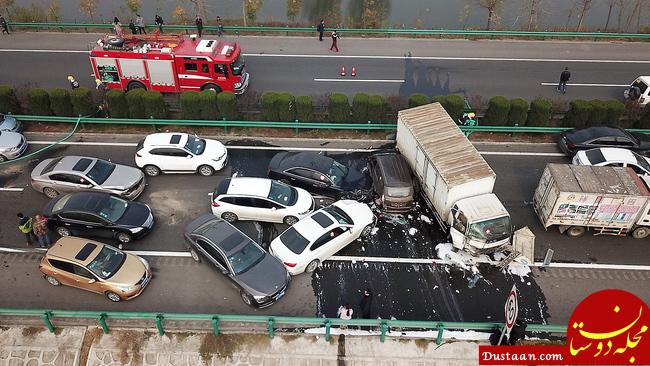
(588, 138)
(260, 277)
(318, 174)
(99, 215)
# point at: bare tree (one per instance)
(88, 7)
(533, 14)
(584, 6)
(622, 7)
(199, 8)
(493, 7)
(6, 4)
(465, 14)
(610, 4)
(54, 10)
(636, 11)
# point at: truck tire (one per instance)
(212, 87)
(116, 42)
(576, 231)
(641, 232)
(135, 85)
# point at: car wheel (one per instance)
(229, 216)
(246, 298)
(575, 231)
(195, 255)
(366, 230)
(124, 238)
(641, 232)
(3, 158)
(151, 170)
(290, 220)
(50, 192)
(52, 281)
(311, 267)
(206, 170)
(63, 231)
(113, 296)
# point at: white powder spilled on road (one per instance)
(413, 231)
(425, 219)
(374, 230)
(464, 260)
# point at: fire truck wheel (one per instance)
(135, 85)
(211, 87)
(117, 42)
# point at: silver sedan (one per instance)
(77, 173)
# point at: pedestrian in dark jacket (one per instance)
(564, 78)
(335, 38)
(139, 22)
(366, 304)
(159, 22)
(3, 24)
(321, 29)
(199, 25)
(26, 226)
(134, 30)
(219, 26)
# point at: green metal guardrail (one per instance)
(386, 31)
(271, 321)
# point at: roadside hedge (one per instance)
(455, 106)
(339, 108)
(360, 108)
(518, 112)
(82, 102)
(376, 108)
(304, 108)
(8, 101)
(227, 103)
(615, 110)
(578, 114)
(117, 105)
(540, 112)
(497, 112)
(269, 106)
(598, 113)
(644, 120)
(60, 102)
(190, 105)
(134, 100)
(286, 105)
(209, 107)
(418, 99)
(154, 105)
(38, 101)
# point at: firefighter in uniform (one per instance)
(25, 225)
(74, 84)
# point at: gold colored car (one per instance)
(96, 267)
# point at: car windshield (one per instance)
(337, 173)
(237, 66)
(60, 204)
(398, 191)
(292, 239)
(491, 230)
(339, 215)
(107, 263)
(595, 156)
(246, 258)
(101, 171)
(195, 145)
(113, 209)
(642, 162)
(282, 193)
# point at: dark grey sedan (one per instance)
(68, 174)
(260, 277)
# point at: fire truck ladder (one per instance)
(611, 231)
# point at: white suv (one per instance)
(260, 199)
(179, 153)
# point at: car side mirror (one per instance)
(273, 208)
(188, 156)
(224, 271)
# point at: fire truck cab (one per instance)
(168, 64)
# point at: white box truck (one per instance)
(454, 178)
(608, 200)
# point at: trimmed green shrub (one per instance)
(39, 102)
(60, 102)
(269, 103)
(191, 105)
(497, 112)
(644, 120)
(227, 103)
(442, 99)
(82, 102)
(418, 99)
(304, 108)
(117, 104)
(360, 108)
(339, 108)
(8, 100)
(540, 112)
(455, 106)
(376, 108)
(598, 113)
(209, 107)
(578, 113)
(135, 103)
(518, 112)
(286, 107)
(615, 109)
(154, 105)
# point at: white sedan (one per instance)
(613, 156)
(305, 245)
(260, 199)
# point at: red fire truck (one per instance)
(168, 63)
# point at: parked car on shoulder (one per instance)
(392, 181)
(260, 199)
(99, 214)
(10, 123)
(261, 278)
(592, 137)
(67, 174)
(317, 173)
(180, 153)
(305, 245)
(611, 156)
(12, 145)
(96, 267)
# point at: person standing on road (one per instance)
(159, 22)
(199, 25)
(134, 30)
(74, 84)
(3, 24)
(564, 78)
(25, 225)
(335, 38)
(139, 22)
(365, 305)
(41, 231)
(321, 29)
(219, 26)
(117, 26)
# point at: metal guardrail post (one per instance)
(328, 330)
(46, 319)
(271, 330)
(383, 327)
(441, 329)
(102, 322)
(215, 325)
(159, 324)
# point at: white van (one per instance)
(643, 83)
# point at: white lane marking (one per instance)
(361, 80)
(153, 253)
(515, 153)
(41, 51)
(12, 189)
(627, 267)
(84, 143)
(588, 84)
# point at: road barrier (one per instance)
(385, 31)
(271, 322)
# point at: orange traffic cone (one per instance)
(353, 72)
(342, 70)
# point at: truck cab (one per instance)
(479, 224)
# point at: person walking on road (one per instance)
(564, 78)
(335, 38)
(321, 29)
(25, 225)
(365, 305)
(74, 84)
(3, 24)
(134, 30)
(41, 231)
(117, 26)
(159, 22)
(139, 22)
(219, 26)
(199, 25)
